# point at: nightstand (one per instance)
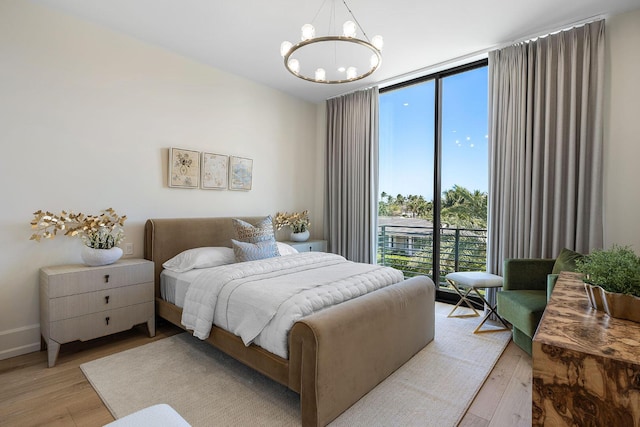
(78, 302)
(309, 245)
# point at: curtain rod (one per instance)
(474, 56)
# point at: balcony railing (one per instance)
(410, 249)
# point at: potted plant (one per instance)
(101, 234)
(298, 222)
(612, 281)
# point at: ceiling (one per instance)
(243, 36)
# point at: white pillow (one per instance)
(285, 249)
(200, 258)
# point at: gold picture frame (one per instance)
(240, 173)
(184, 168)
(214, 171)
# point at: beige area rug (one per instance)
(208, 388)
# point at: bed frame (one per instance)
(337, 355)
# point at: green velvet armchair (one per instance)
(524, 296)
(528, 284)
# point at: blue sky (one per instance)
(407, 135)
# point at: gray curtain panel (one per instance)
(350, 220)
(545, 152)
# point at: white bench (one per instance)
(161, 415)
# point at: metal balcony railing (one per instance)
(410, 249)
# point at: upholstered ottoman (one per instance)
(156, 415)
(465, 282)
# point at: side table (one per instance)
(465, 282)
(81, 303)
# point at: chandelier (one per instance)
(333, 58)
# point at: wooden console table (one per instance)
(586, 365)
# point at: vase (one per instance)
(94, 257)
(594, 293)
(303, 236)
(620, 306)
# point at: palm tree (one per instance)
(463, 208)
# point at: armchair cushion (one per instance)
(566, 261)
(522, 308)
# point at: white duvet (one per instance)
(261, 300)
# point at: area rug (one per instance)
(209, 388)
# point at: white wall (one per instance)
(86, 119)
(87, 115)
(622, 133)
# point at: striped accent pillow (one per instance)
(253, 251)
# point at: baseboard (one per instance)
(15, 342)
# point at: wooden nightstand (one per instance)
(81, 303)
(309, 245)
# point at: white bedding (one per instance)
(174, 286)
(261, 300)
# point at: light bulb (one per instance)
(352, 73)
(321, 75)
(294, 65)
(374, 61)
(284, 48)
(349, 29)
(308, 32)
(377, 42)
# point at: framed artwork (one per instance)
(215, 171)
(184, 168)
(240, 173)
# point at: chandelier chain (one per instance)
(356, 20)
(313, 21)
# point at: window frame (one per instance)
(437, 77)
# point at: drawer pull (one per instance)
(107, 320)
(106, 278)
(106, 299)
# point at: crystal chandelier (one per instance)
(333, 58)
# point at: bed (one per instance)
(334, 356)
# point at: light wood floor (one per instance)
(33, 395)
(505, 398)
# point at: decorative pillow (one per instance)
(284, 249)
(200, 258)
(253, 251)
(249, 233)
(566, 261)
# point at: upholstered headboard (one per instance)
(165, 238)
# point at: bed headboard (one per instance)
(165, 238)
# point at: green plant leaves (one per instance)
(615, 270)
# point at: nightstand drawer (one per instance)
(309, 245)
(93, 302)
(70, 280)
(96, 325)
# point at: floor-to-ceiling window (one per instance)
(432, 211)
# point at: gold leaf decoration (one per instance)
(102, 231)
(298, 222)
